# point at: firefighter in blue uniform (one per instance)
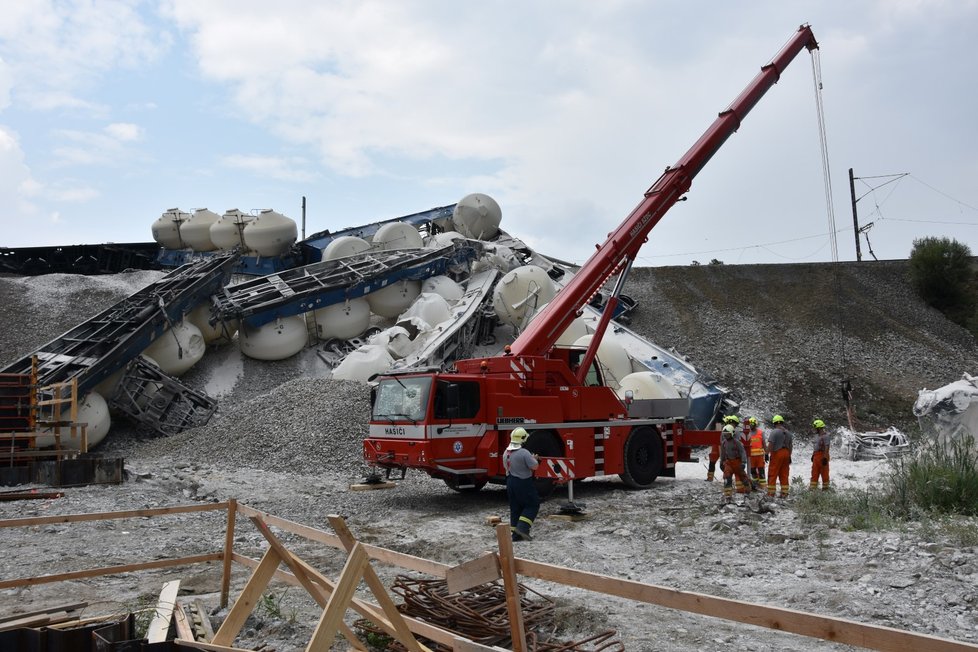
(524, 502)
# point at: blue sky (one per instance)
(563, 111)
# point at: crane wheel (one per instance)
(643, 458)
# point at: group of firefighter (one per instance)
(745, 449)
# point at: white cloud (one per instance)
(284, 169)
(124, 131)
(55, 49)
(17, 187)
(106, 147)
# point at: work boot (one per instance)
(522, 532)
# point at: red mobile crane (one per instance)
(455, 425)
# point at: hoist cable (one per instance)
(830, 212)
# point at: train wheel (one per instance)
(643, 458)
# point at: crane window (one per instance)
(402, 399)
(463, 395)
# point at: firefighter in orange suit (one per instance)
(733, 458)
(779, 445)
(820, 458)
(756, 451)
(730, 419)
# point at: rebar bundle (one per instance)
(480, 614)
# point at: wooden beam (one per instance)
(228, 552)
(74, 606)
(200, 645)
(392, 557)
(110, 570)
(404, 635)
(372, 611)
(245, 604)
(504, 538)
(339, 601)
(299, 571)
(205, 621)
(473, 573)
(184, 629)
(104, 516)
(829, 628)
(159, 627)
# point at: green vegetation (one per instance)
(935, 487)
(941, 272)
(270, 605)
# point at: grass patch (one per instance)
(932, 487)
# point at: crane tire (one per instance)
(643, 457)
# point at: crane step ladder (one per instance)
(262, 300)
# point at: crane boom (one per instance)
(619, 250)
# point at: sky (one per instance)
(564, 112)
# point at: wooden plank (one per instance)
(473, 573)
(838, 630)
(31, 495)
(184, 629)
(159, 627)
(298, 569)
(504, 538)
(200, 645)
(111, 570)
(369, 610)
(404, 635)
(104, 516)
(339, 601)
(228, 552)
(372, 486)
(392, 557)
(74, 606)
(205, 621)
(245, 604)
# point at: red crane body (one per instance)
(457, 423)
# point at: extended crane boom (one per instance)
(456, 424)
(623, 244)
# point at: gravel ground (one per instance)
(287, 441)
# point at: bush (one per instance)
(940, 271)
(942, 478)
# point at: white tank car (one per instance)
(343, 320)
(219, 332)
(443, 286)
(614, 360)
(576, 330)
(520, 293)
(166, 229)
(228, 232)
(196, 232)
(443, 239)
(345, 245)
(178, 348)
(477, 216)
(394, 299)
(397, 235)
(270, 234)
(647, 385)
(363, 363)
(427, 311)
(277, 340)
(93, 411)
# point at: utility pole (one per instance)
(855, 217)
